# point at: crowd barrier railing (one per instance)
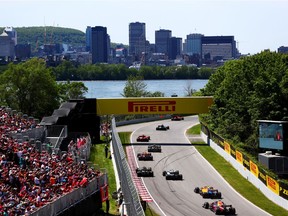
(70, 199)
(131, 198)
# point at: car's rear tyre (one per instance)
(206, 205)
(232, 211)
(205, 195)
(219, 195)
(196, 189)
(164, 173)
(218, 211)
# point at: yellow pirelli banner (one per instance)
(153, 105)
(227, 147)
(239, 157)
(272, 184)
(254, 169)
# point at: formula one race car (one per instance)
(143, 138)
(144, 172)
(162, 127)
(208, 192)
(172, 175)
(176, 118)
(154, 148)
(145, 156)
(219, 208)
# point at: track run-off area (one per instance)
(176, 197)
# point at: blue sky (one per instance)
(256, 24)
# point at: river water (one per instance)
(113, 89)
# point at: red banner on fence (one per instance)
(104, 193)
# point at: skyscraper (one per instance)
(99, 45)
(88, 38)
(161, 40)
(174, 47)
(193, 44)
(137, 40)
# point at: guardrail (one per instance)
(270, 187)
(131, 197)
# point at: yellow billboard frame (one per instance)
(153, 105)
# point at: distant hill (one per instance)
(48, 35)
(34, 35)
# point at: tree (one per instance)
(29, 87)
(134, 87)
(188, 89)
(247, 90)
(71, 90)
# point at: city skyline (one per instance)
(256, 24)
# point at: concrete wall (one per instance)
(247, 174)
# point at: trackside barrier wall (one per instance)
(273, 189)
(131, 198)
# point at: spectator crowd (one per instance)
(30, 178)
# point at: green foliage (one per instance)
(29, 87)
(247, 90)
(136, 87)
(71, 90)
(68, 71)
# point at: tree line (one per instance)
(67, 70)
(246, 90)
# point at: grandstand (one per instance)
(44, 167)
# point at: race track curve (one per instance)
(177, 198)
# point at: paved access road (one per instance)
(177, 198)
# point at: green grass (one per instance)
(97, 157)
(194, 130)
(236, 180)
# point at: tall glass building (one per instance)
(99, 45)
(137, 40)
(88, 38)
(193, 44)
(161, 40)
(174, 47)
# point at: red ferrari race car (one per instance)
(177, 118)
(143, 138)
(208, 192)
(145, 156)
(220, 208)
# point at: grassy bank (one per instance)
(99, 160)
(235, 179)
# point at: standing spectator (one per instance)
(106, 150)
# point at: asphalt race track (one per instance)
(177, 198)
